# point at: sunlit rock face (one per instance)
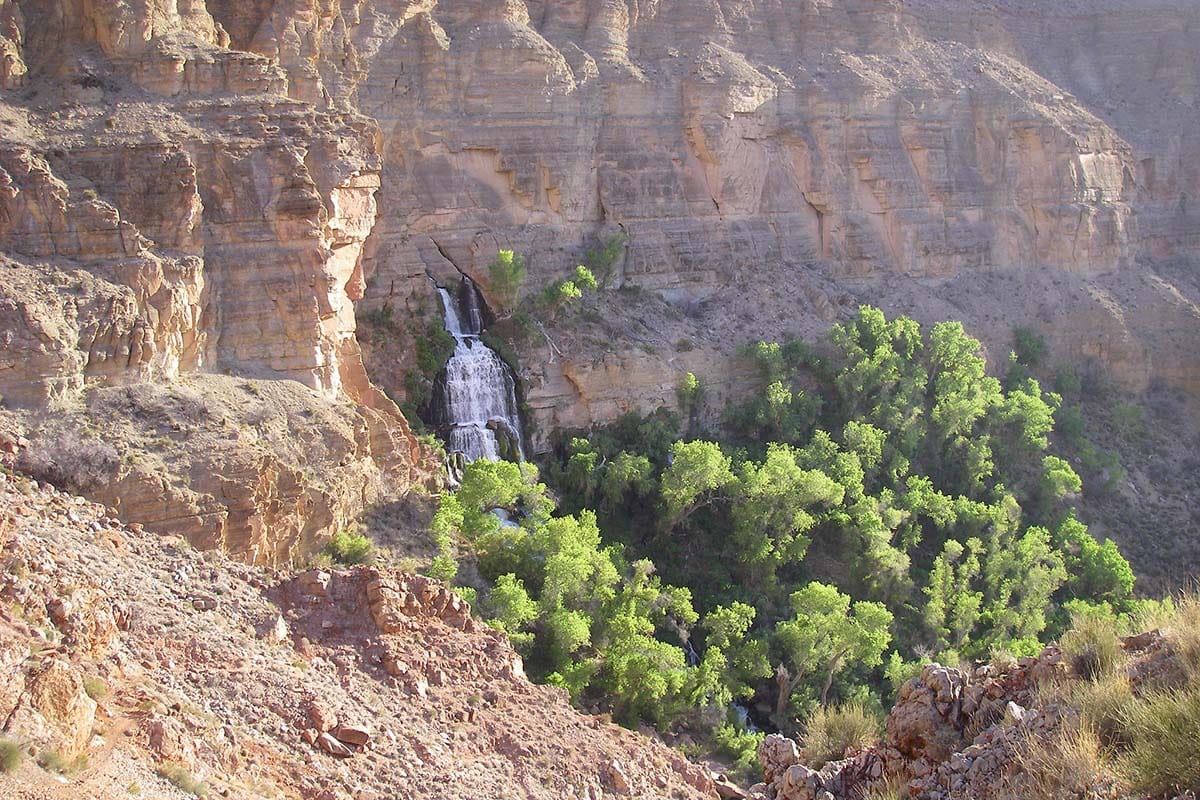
(836, 146)
(235, 176)
(169, 214)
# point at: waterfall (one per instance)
(476, 398)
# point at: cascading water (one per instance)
(476, 399)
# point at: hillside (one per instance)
(133, 662)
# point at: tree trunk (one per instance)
(833, 665)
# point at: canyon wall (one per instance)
(833, 147)
(194, 188)
(170, 216)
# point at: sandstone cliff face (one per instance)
(168, 211)
(209, 187)
(845, 143)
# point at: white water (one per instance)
(479, 392)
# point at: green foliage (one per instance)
(828, 632)
(1029, 347)
(583, 616)
(505, 276)
(95, 688)
(740, 747)
(887, 494)
(689, 394)
(11, 756)
(563, 293)
(697, 470)
(602, 260)
(433, 347)
(350, 548)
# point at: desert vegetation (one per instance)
(882, 502)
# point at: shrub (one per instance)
(95, 688)
(11, 756)
(183, 780)
(831, 731)
(71, 462)
(1183, 632)
(1092, 647)
(894, 788)
(741, 746)
(505, 276)
(1065, 764)
(1029, 346)
(1105, 705)
(1165, 729)
(350, 548)
(53, 761)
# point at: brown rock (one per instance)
(57, 693)
(617, 777)
(333, 747)
(352, 734)
(320, 716)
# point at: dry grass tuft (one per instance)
(1066, 764)
(1165, 730)
(830, 732)
(1183, 633)
(1092, 646)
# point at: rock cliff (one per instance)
(810, 154)
(171, 216)
(207, 187)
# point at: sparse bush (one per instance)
(1105, 705)
(894, 788)
(1164, 729)
(53, 761)
(71, 462)
(1183, 632)
(1029, 346)
(350, 548)
(1067, 381)
(1066, 764)
(11, 756)
(95, 688)
(505, 276)
(741, 747)
(831, 731)
(1092, 647)
(602, 260)
(1129, 420)
(183, 780)
(1070, 423)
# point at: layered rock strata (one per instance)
(168, 211)
(809, 144)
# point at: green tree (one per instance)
(775, 505)
(505, 276)
(828, 631)
(952, 605)
(698, 469)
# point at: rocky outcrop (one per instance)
(209, 673)
(950, 734)
(210, 187)
(169, 215)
